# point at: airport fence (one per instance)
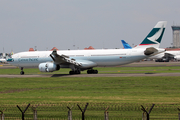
(91, 111)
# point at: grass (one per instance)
(105, 89)
(127, 92)
(104, 70)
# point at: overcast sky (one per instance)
(76, 24)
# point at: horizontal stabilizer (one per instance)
(150, 51)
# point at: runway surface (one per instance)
(137, 64)
(92, 75)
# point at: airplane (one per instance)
(173, 54)
(162, 57)
(80, 60)
(2, 60)
(167, 55)
(126, 45)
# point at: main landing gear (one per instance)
(22, 72)
(75, 72)
(91, 71)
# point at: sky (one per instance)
(77, 24)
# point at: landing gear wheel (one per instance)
(78, 72)
(75, 72)
(22, 72)
(88, 71)
(95, 71)
(92, 71)
(71, 72)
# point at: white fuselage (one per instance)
(102, 57)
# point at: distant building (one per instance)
(54, 48)
(31, 49)
(176, 36)
(172, 49)
(89, 48)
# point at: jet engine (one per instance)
(48, 67)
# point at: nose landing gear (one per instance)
(22, 72)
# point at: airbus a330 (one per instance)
(80, 60)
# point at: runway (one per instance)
(92, 75)
(137, 64)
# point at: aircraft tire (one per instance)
(22, 72)
(78, 72)
(88, 71)
(95, 71)
(92, 71)
(71, 72)
(75, 72)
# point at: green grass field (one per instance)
(104, 89)
(124, 95)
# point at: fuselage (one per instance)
(79, 60)
(102, 57)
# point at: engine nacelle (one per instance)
(48, 67)
(177, 57)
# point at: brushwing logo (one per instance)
(156, 35)
(10, 60)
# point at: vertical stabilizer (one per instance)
(154, 38)
(126, 45)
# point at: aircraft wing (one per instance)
(168, 55)
(66, 60)
(62, 59)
